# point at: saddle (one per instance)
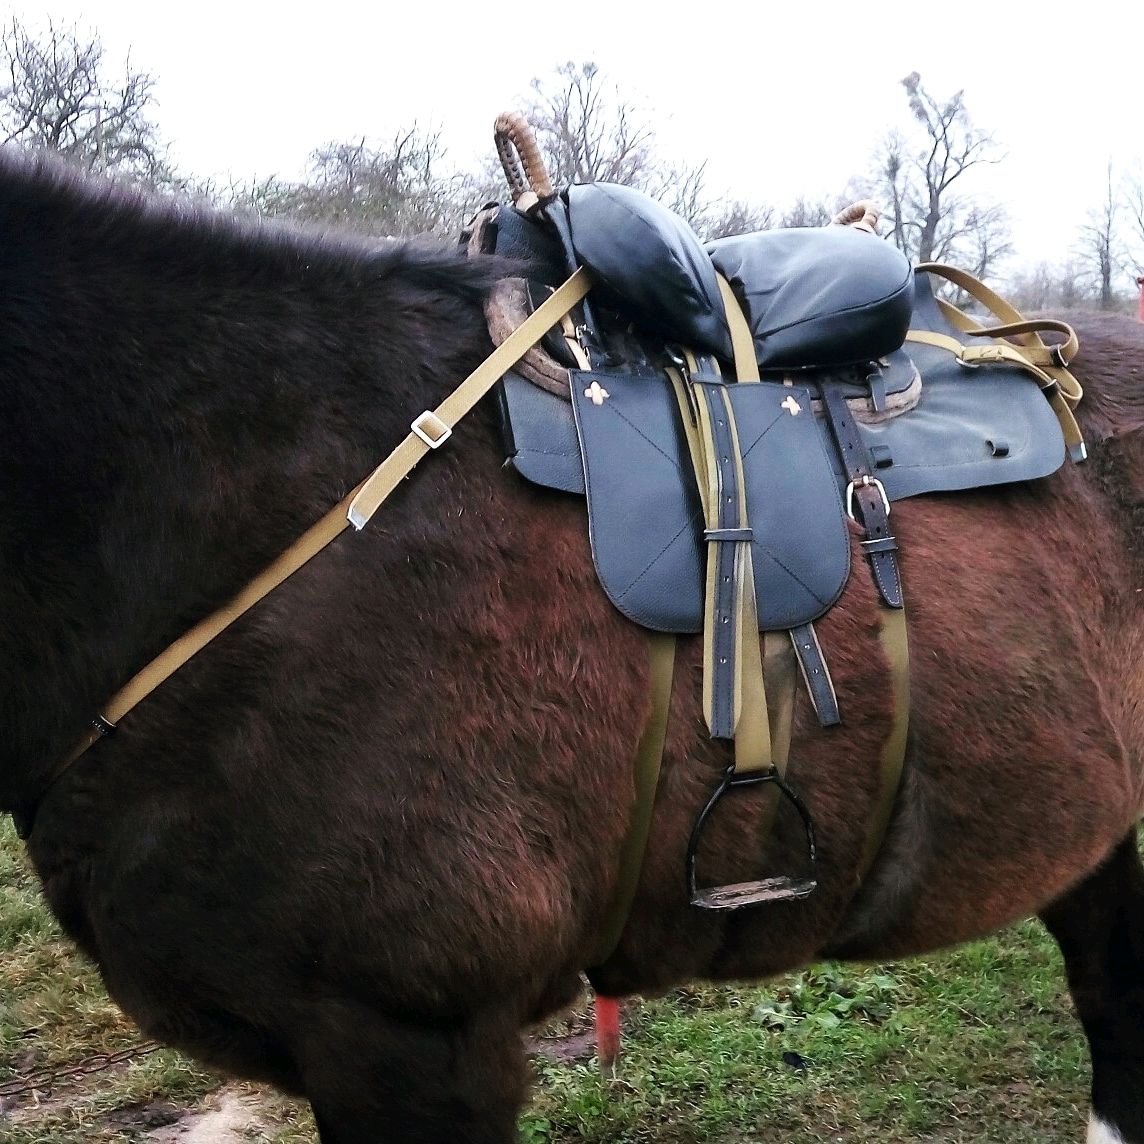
(728, 409)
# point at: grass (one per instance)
(976, 1044)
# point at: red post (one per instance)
(607, 1032)
(1140, 311)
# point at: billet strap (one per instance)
(816, 675)
(649, 759)
(428, 432)
(1028, 350)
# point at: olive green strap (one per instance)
(893, 637)
(742, 340)
(428, 432)
(649, 758)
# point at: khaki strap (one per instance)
(397, 466)
(895, 646)
(356, 508)
(649, 758)
(1048, 363)
(742, 340)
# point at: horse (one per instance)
(371, 832)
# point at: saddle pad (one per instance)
(645, 519)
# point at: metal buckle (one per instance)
(865, 482)
(431, 429)
(778, 888)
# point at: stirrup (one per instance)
(780, 888)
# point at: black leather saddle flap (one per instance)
(644, 514)
(818, 296)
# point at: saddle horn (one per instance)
(521, 160)
(862, 215)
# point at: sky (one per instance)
(781, 100)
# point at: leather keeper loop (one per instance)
(732, 535)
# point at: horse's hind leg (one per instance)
(374, 1080)
(1099, 926)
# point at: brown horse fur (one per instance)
(371, 832)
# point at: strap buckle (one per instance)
(865, 482)
(431, 429)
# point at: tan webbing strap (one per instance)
(386, 477)
(1048, 363)
(742, 340)
(781, 673)
(357, 507)
(649, 757)
(894, 639)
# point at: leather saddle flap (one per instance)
(644, 514)
(818, 296)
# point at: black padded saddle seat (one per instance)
(818, 297)
(814, 297)
(651, 262)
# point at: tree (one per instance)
(1098, 244)
(588, 131)
(56, 91)
(397, 189)
(1132, 201)
(921, 181)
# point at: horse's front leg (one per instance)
(375, 1079)
(1099, 925)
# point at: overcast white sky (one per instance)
(782, 99)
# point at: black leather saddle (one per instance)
(826, 307)
(725, 409)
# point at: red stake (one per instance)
(607, 1030)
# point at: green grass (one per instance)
(977, 1044)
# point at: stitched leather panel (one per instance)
(645, 519)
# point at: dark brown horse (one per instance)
(371, 832)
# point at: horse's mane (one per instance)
(182, 239)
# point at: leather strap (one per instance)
(734, 694)
(356, 508)
(816, 675)
(865, 494)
